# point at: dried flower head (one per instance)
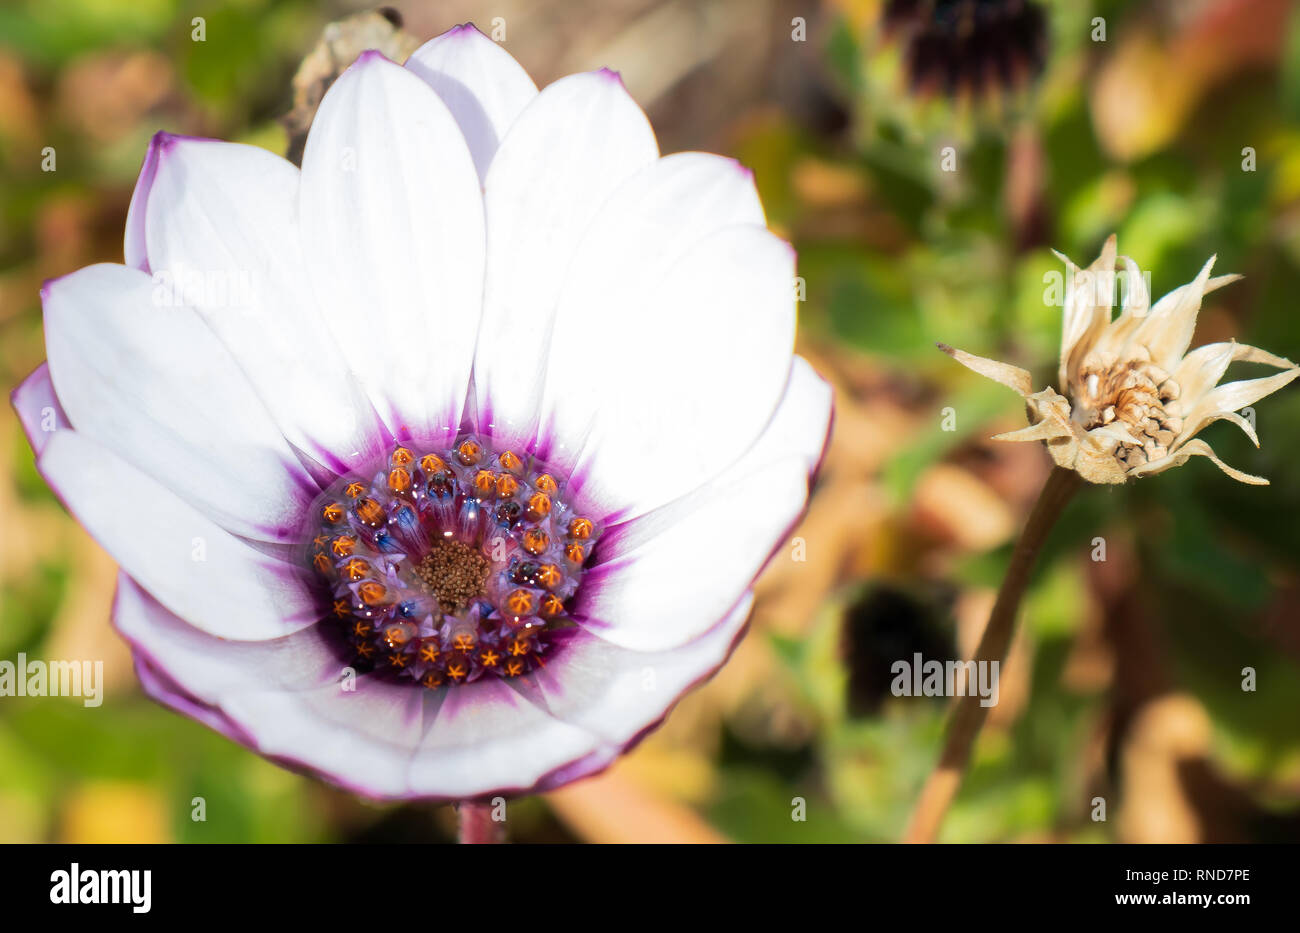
(1135, 399)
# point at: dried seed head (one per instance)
(1134, 397)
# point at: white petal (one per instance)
(153, 384)
(210, 667)
(675, 381)
(392, 221)
(210, 578)
(480, 82)
(669, 576)
(221, 227)
(568, 151)
(157, 684)
(38, 408)
(654, 220)
(135, 247)
(284, 697)
(363, 738)
(1232, 396)
(487, 736)
(618, 693)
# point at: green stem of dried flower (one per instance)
(968, 714)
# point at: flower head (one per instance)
(1134, 397)
(445, 465)
(974, 46)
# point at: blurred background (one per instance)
(1175, 124)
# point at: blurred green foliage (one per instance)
(947, 263)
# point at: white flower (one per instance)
(1135, 399)
(466, 277)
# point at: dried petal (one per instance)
(1196, 448)
(1013, 377)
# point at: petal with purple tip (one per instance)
(220, 225)
(135, 248)
(480, 82)
(288, 699)
(568, 151)
(159, 686)
(154, 385)
(38, 408)
(285, 697)
(392, 222)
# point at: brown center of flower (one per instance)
(1136, 395)
(454, 572)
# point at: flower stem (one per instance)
(968, 714)
(476, 824)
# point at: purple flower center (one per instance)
(447, 566)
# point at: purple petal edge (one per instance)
(160, 687)
(135, 246)
(30, 399)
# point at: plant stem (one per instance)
(476, 824)
(968, 714)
